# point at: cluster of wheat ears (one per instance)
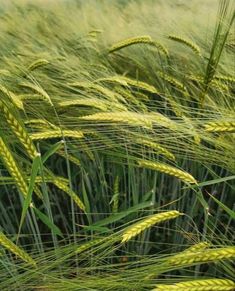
(116, 149)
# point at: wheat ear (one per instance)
(197, 247)
(199, 285)
(173, 81)
(9, 245)
(40, 123)
(71, 158)
(94, 32)
(189, 123)
(37, 63)
(137, 228)
(91, 102)
(220, 126)
(161, 47)
(95, 88)
(228, 79)
(131, 41)
(190, 258)
(5, 73)
(127, 95)
(60, 183)
(31, 97)
(14, 170)
(158, 148)
(130, 118)
(138, 40)
(216, 84)
(88, 245)
(12, 167)
(105, 92)
(220, 86)
(56, 134)
(19, 131)
(38, 90)
(141, 85)
(184, 176)
(125, 81)
(15, 99)
(194, 248)
(186, 42)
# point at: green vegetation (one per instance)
(117, 133)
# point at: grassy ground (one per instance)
(117, 145)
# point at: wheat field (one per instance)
(117, 145)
